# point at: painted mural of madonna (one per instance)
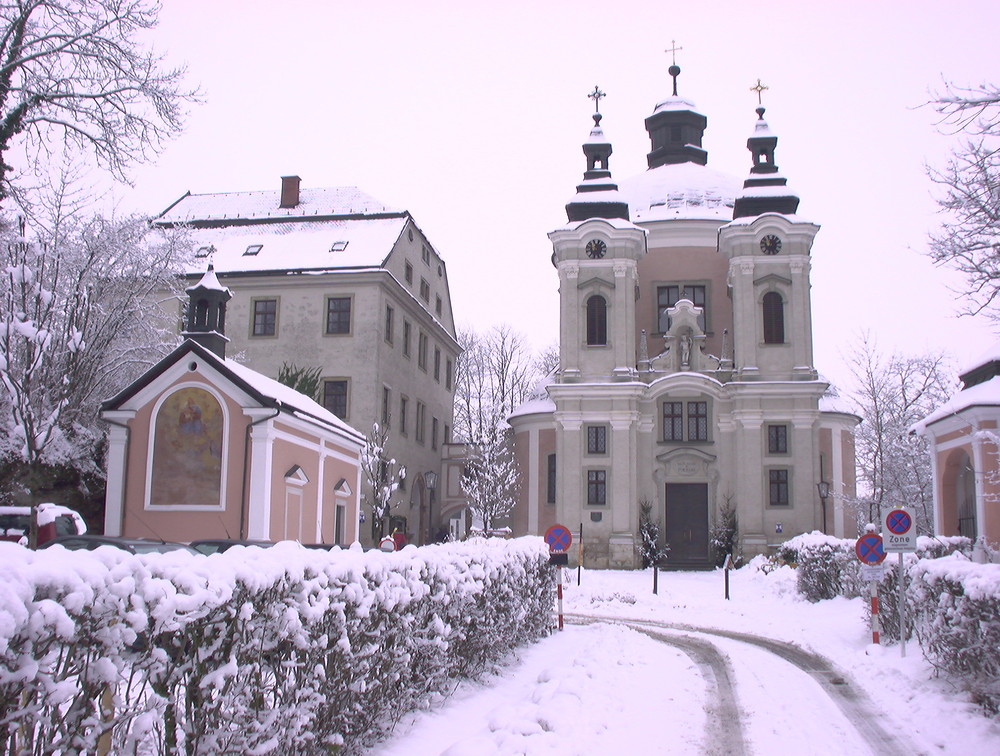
(187, 450)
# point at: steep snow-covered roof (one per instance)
(306, 245)
(260, 205)
(680, 191)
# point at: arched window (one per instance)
(597, 321)
(774, 318)
(965, 498)
(201, 312)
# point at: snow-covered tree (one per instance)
(80, 317)
(495, 374)
(651, 551)
(894, 391)
(491, 479)
(381, 476)
(77, 73)
(968, 238)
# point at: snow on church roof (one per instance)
(680, 191)
(982, 394)
(260, 205)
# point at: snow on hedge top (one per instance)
(978, 580)
(680, 191)
(236, 206)
(307, 245)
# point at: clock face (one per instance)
(596, 249)
(770, 245)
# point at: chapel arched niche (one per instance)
(187, 451)
(958, 495)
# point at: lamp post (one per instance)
(824, 493)
(430, 481)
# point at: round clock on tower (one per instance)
(596, 249)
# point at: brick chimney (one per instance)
(290, 191)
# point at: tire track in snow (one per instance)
(855, 705)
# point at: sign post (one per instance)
(559, 539)
(871, 551)
(900, 531)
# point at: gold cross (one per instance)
(596, 96)
(673, 50)
(759, 89)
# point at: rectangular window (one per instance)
(408, 273)
(668, 296)
(597, 481)
(597, 439)
(425, 254)
(438, 305)
(335, 397)
(388, 324)
(425, 290)
(778, 495)
(422, 351)
(406, 338)
(418, 425)
(446, 436)
(448, 370)
(386, 399)
(697, 421)
(673, 421)
(434, 433)
(402, 414)
(550, 480)
(265, 317)
(777, 439)
(437, 364)
(338, 315)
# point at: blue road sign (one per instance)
(870, 549)
(558, 538)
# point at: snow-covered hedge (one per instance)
(254, 651)
(956, 606)
(824, 567)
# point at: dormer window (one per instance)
(205, 251)
(338, 246)
(253, 249)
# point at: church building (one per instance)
(686, 376)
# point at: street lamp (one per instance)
(824, 493)
(430, 481)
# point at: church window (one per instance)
(403, 401)
(406, 338)
(422, 351)
(448, 372)
(389, 314)
(597, 482)
(550, 481)
(425, 254)
(777, 439)
(697, 421)
(673, 421)
(386, 404)
(425, 290)
(338, 315)
(668, 296)
(438, 305)
(408, 273)
(597, 321)
(335, 397)
(419, 422)
(437, 364)
(778, 483)
(774, 318)
(434, 433)
(265, 317)
(597, 439)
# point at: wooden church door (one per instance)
(686, 527)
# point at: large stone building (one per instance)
(332, 279)
(686, 374)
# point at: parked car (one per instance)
(54, 520)
(218, 545)
(131, 545)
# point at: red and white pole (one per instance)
(876, 626)
(559, 589)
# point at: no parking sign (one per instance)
(899, 530)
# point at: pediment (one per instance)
(596, 282)
(772, 278)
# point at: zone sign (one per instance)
(899, 530)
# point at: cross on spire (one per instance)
(673, 50)
(596, 96)
(759, 89)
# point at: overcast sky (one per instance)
(472, 118)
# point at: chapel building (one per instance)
(686, 376)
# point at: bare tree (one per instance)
(74, 71)
(381, 477)
(496, 372)
(491, 480)
(968, 238)
(80, 317)
(893, 392)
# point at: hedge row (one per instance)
(254, 651)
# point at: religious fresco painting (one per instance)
(187, 451)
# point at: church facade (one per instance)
(686, 377)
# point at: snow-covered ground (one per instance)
(604, 689)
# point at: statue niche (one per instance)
(683, 341)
